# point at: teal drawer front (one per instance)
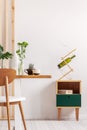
(68, 100)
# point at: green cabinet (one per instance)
(68, 100)
(68, 94)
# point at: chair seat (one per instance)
(11, 99)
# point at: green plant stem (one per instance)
(2, 63)
(20, 68)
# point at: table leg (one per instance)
(59, 113)
(77, 113)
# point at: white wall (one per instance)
(52, 28)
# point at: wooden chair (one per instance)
(6, 77)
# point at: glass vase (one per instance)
(2, 65)
(13, 63)
(20, 68)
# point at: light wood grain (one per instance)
(13, 39)
(13, 21)
(59, 113)
(66, 73)
(7, 11)
(0, 21)
(1, 44)
(33, 76)
(22, 114)
(7, 102)
(68, 54)
(77, 113)
(6, 25)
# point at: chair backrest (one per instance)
(10, 73)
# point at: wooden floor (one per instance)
(50, 125)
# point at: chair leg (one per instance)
(8, 116)
(7, 103)
(22, 115)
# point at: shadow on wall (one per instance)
(48, 101)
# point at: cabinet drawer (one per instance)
(68, 100)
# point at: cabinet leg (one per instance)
(59, 113)
(77, 113)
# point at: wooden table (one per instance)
(18, 93)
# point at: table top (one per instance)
(33, 76)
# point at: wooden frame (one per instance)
(70, 68)
(0, 43)
(6, 40)
(13, 20)
(6, 25)
(0, 21)
(13, 40)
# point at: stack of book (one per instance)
(63, 91)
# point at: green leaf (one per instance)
(25, 44)
(18, 51)
(22, 49)
(5, 55)
(1, 55)
(1, 49)
(19, 43)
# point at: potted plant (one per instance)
(4, 55)
(21, 54)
